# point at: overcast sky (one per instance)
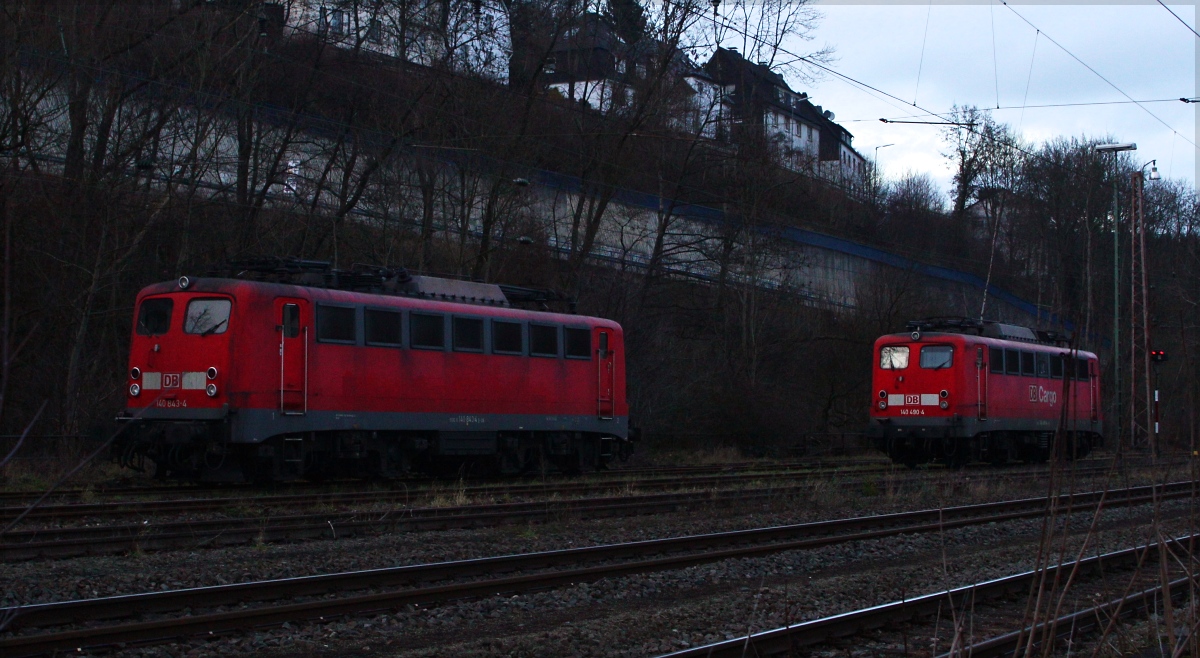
(1142, 49)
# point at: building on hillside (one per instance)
(758, 103)
(591, 65)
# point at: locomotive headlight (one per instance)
(135, 390)
(882, 394)
(135, 373)
(944, 394)
(211, 389)
(944, 404)
(212, 373)
(882, 405)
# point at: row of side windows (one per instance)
(437, 331)
(1035, 364)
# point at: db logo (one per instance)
(912, 399)
(1033, 392)
(170, 380)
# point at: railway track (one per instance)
(14, 498)
(461, 579)
(820, 631)
(138, 508)
(57, 542)
(95, 493)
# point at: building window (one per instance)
(375, 31)
(337, 21)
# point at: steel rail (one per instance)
(820, 631)
(1075, 624)
(106, 540)
(597, 478)
(186, 505)
(197, 505)
(720, 546)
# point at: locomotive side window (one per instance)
(1081, 369)
(154, 317)
(335, 324)
(1028, 367)
(937, 356)
(207, 316)
(543, 340)
(578, 343)
(996, 359)
(893, 357)
(291, 320)
(468, 334)
(1012, 362)
(1056, 366)
(428, 331)
(1043, 364)
(507, 337)
(383, 328)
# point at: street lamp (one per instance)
(1116, 370)
(876, 163)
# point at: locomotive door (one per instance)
(294, 322)
(606, 375)
(981, 380)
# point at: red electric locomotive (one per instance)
(958, 390)
(301, 371)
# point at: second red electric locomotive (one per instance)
(296, 370)
(957, 390)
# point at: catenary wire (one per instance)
(1094, 71)
(1180, 19)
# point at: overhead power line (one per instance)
(1094, 71)
(1180, 19)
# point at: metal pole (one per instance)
(1116, 312)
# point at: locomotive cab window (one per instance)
(1028, 367)
(1081, 369)
(996, 360)
(935, 357)
(1012, 362)
(577, 343)
(154, 317)
(428, 331)
(893, 357)
(1043, 365)
(507, 337)
(207, 316)
(468, 334)
(543, 340)
(383, 328)
(336, 324)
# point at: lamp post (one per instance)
(875, 164)
(1116, 369)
